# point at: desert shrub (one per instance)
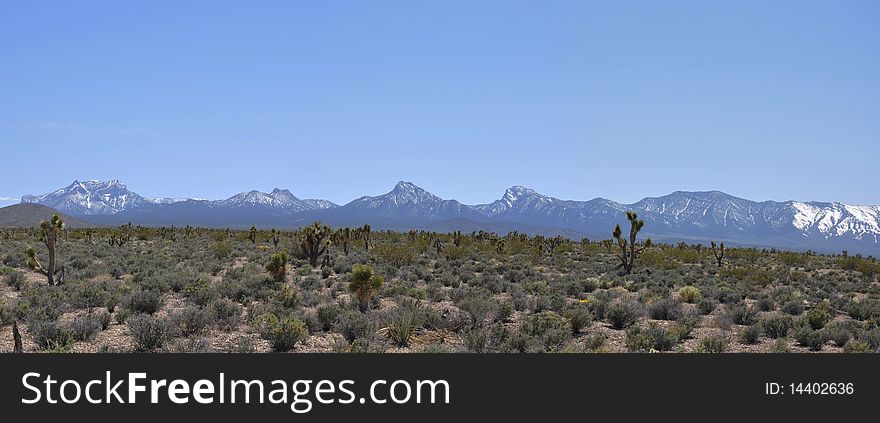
(47, 334)
(777, 326)
(838, 334)
(489, 282)
(779, 346)
(810, 338)
(519, 341)
(200, 292)
(551, 329)
(665, 309)
(793, 259)
(684, 326)
(221, 250)
(623, 313)
(750, 334)
(353, 325)
(653, 337)
(85, 326)
(15, 280)
(707, 305)
(594, 342)
(190, 321)
(328, 316)
(578, 316)
(394, 255)
(190, 345)
(225, 313)
(714, 343)
(476, 340)
(742, 314)
(144, 301)
(793, 307)
(819, 316)
(864, 309)
(282, 333)
(766, 303)
(689, 294)
(479, 307)
(149, 333)
(452, 253)
(855, 346)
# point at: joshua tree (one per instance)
(499, 246)
(16, 338)
(366, 232)
(277, 266)
(554, 242)
(628, 249)
(253, 235)
(718, 253)
(342, 236)
(456, 238)
(364, 284)
(607, 243)
(314, 241)
(50, 229)
(438, 245)
(275, 238)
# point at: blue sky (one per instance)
(765, 100)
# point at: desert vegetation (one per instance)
(134, 288)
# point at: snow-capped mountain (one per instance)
(680, 216)
(521, 204)
(408, 200)
(87, 198)
(167, 200)
(280, 199)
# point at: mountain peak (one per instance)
(517, 191)
(404, 186)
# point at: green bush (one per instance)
(793, 307)
(144, 301)
(652, 338)
(689, 294)
(282, 333)
(714, 343)
(777, 326)
(742, 314)
(551, 329)
(810, 338)
(149, 333)
(85, 326)
(819, 316)
(578, 316)
(190, 321)
(623, 313)
(666, 309)
(353, 325)
(750, 334)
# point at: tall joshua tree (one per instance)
(253, 235)
(49, 231)
(628, 248)
(275, 238)
(342, 236)
(718, 253)
(366, 232)
(314, 241)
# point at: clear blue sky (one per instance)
(336, 99)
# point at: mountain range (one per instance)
(680, 216)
